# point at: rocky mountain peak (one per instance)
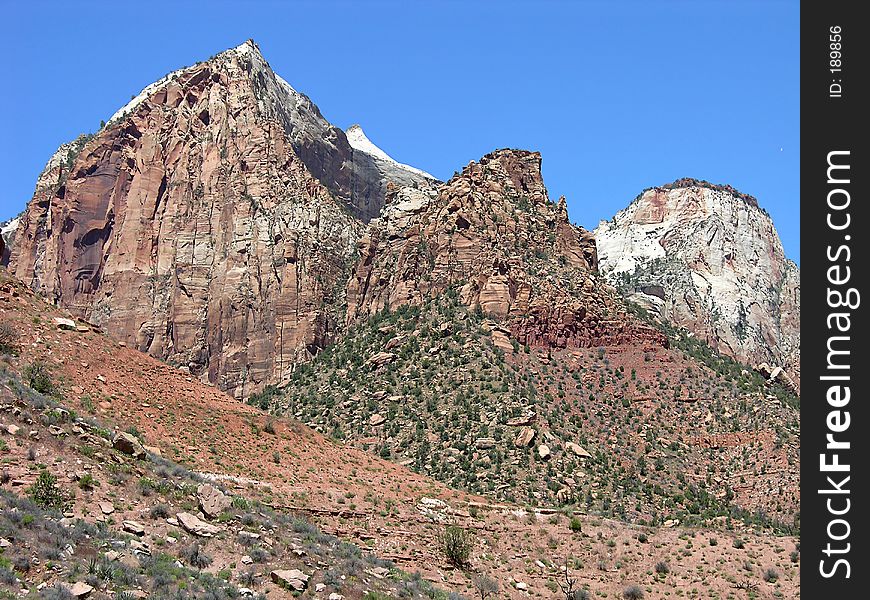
(357, 178)
(492, 233)
(358, 140)
(708, 258)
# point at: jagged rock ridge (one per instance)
(493, 232)
(709, 259)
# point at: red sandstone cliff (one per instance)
(493, 232)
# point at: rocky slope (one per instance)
(493, 232)
(709, 259)
(623, 430)
(67, 391)
(210, 222)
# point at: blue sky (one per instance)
(618, 96)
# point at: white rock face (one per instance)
(708, 259)
(358, 140)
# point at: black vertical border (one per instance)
(833, 124)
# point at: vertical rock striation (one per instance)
(211, 223)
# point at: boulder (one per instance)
(578, 450)
(524, 420)
(128, 444)
(544, 452)
(381, 358)
(525, 437)
(196, 526)
(500, 340)
(79, 589)
(106, 508)
(212, 501)
(64, 323)
(377, 419)
(484, 443)
(153, 450)
(134, 527)
(292, 579)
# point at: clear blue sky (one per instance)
(618, 96)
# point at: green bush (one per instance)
(576, 525)
(457, 544)
(38, 377)
(46, 493)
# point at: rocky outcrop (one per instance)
(291, 579)
(128, 444)
(212, 501)
(709, 259)
(493, 234)
(210, 223)
(7, 238)
(196, 526)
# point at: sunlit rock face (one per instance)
(708, 259)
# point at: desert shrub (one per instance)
(457, 544)
(771, 576)
(662, 568)
(56, 592)
(258, 554)
(7, 575)
(738, 543)
(46, 493)
(8, 339)
(576, 525)
(247, 577)
(484, 586)
(159, 511)
(195, 556)
(21, 563)
(633, 592)
(38, 377)
(87, 482)
(642, 538)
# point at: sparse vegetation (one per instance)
(46, 492)
(38, 376)
(8, 339)
(457, 544)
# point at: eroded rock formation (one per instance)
(709, 259)
(493, 233)
(202, 225)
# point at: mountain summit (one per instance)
(708, 258)
(209, 223)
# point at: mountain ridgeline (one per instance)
(219, 222)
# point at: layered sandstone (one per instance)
(194, 225)
(708, 259)
(493, 233)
